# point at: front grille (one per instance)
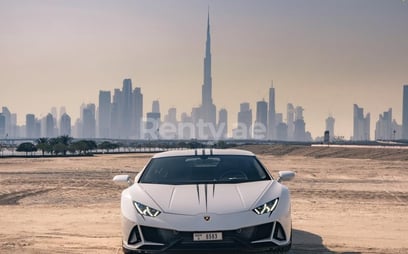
(262, 232)
(158, 235)
(244, 235)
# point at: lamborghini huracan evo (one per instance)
(205, 201)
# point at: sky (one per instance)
(323, 55)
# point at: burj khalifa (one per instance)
(207, 109)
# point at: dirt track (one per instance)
(70, 205)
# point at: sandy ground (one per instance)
(70, 205)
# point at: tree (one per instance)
(26, 147)
(106, 145)
(59, 145)
(59, 148)
(83, 146)
(43, 144)
(65, 140)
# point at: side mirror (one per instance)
(123, 179)
(286, 176)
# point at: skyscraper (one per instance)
(2, 126)
(104, 114)
(156, 106)
(361, 124)
(384, 127)
(8, 126)
(208, 109)
(138, 107)
(223, 123)
(271, 114)
(244, 128)
(126, 109)
(30, 126)
(330, 126)
(115, 114)
(405, 113)
(89, 121)
(65, 123)
(152, 130)
(300, 130)
(290, 116)
(261, 121)
(171, 116)
(49, 126)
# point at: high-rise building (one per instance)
(138, 109)
(271, 114)
(2, 126)
(396, 130)
(300, 130)
(153, 121)
(49, 126)
(282, 131)
(104, 114)
(65, 125)
(405, 113)
(126, 110)
(171, 116)
(169, 129)
(384, 128)
(207, 112)
(261, 121)
(89, 121)
(244, 129)
(15, 129)
(7, 119)
(290, 116)
(115, 131)
(361, 124)
(278, 119)
(54, 113)
(156, 106)
(299, 113)
(187, 128)
(30, 126)
(330, 127)
(223, 123)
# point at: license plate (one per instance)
(211, 236)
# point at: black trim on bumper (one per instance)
(233, 240)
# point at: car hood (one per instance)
(206, 198)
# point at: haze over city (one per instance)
(322, 55)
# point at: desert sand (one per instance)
(343, 200)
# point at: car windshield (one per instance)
(204, 169)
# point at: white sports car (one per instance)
(206, 200)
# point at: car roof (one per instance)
(202, 151)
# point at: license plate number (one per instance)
(213, 236)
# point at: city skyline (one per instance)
(317, 57)
(120, 117)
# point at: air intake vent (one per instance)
(279, 234)
(134, 236)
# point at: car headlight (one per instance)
(145, 210)
(267, 207)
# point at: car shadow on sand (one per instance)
(306, 242)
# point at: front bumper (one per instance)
(255, 239)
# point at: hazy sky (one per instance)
(324, 55)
